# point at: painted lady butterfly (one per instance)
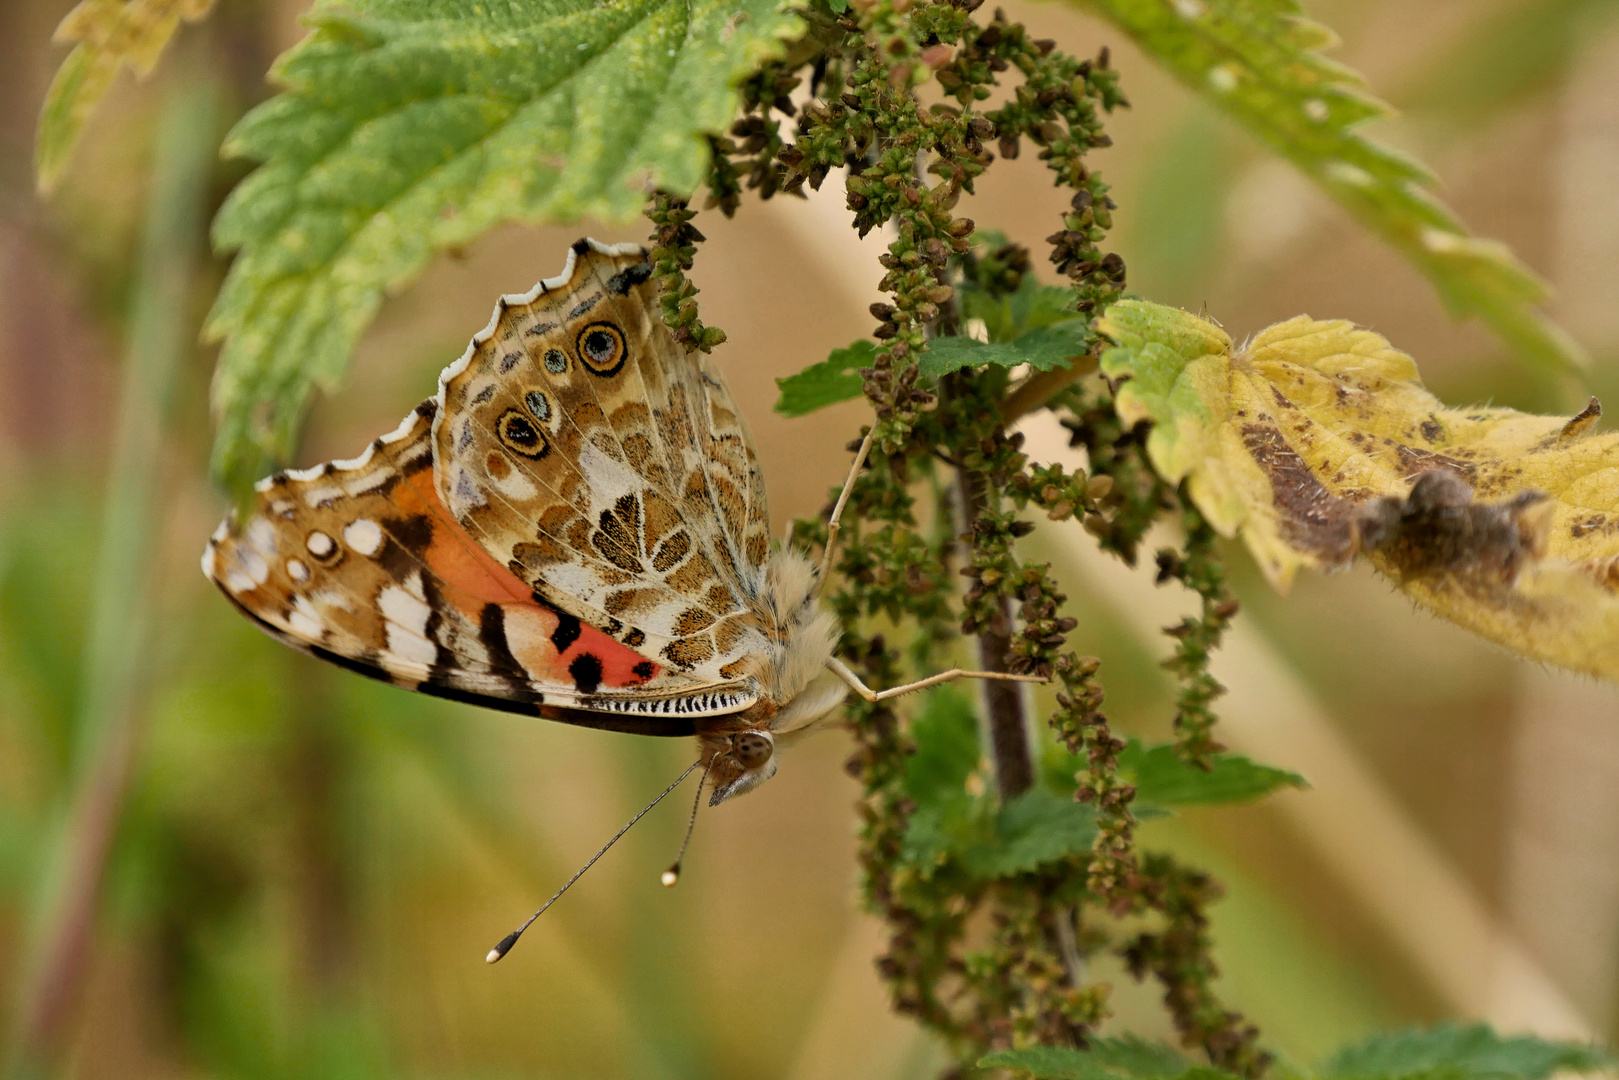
(574, 527)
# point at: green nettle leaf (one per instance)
(985, 840)
(1261, 62)
(947, 751)
(1161, 778)
(1035, 828)
(1044, 349)
(411, 126)
(1127, 1058)
(1032, 306)
(1454, 1051)
(110, 34)
(827, 383)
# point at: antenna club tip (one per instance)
(670, 877)
(503, 948)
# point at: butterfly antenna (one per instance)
(672, 875)
(510, 939)
(832, 525)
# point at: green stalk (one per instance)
(117, 653)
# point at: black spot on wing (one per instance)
(405, 546)
(492, 634)
(644, 669)
(566, 633)
(586, 670)
(443, 667)
(581, 246)
(628, 278)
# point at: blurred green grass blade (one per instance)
(1261, 62)
(408, 127)
(117, 653)
(1177, 227)
(110, 35)
(1507, 57)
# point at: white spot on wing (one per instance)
(297, 571)
(237, 581)
(319, 544)
(369, 482)
(514, 485)
(407, 625)
(363, 535)
(252, 564)
(261, 534)
(305, 620)
(574, 580)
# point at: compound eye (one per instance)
(752, 749)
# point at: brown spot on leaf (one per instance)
(1312, 518)
(1414, 462)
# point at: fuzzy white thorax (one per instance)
(808, 632)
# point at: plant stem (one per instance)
(1007, 726)
(116, 658)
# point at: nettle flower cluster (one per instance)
(989, 943)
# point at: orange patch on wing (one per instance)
(474, 579)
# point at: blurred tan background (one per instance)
(310, 867)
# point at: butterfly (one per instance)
(573, 527)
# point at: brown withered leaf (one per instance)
(1317, 442)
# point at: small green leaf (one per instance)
(1261, 61)
(1127, 1058)
(1036, 828)
(1161, 778)
(1044, 349)
(986, 841)
(1455, 1052)
(827, 383)
(1032, 306)
(946, 738)
(412, 126)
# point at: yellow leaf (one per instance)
(110, 34)
(1317, 442)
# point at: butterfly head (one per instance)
(738, 762)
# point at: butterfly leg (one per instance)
(842, 671)
(843, 500)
